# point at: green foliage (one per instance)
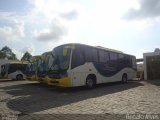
(2, 55)
(6, 52)
(26, 57)
(6, 49)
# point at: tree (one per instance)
(6, 52)
(6, 49)
(26, 57)
(2, 55)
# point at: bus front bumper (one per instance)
(31, 78)
(63, 82)
(42, 80)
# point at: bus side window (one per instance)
(2, 67)
(88, 54)
(121, 61)
(134, 63)
(106, 56)
(94, 54)
(113, 58)
(128, 61)
(77, 58)
(102, 56)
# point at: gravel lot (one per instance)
(32, 100)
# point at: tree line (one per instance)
(7, 53)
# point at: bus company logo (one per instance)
(142, 117)
(9, 116)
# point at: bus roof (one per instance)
(46, 53)
(109, 49)
(98, 47)
(34, 58)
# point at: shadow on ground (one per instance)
(35, 97)
(154, 82)
(6, 80)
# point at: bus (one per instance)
(14, 70)
(83, 65)
(32, 68)
(47, 60)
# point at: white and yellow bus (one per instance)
(32, 68)
(45, 64)
(83, 65)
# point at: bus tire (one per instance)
(90, 82)
(124, 78)
(19, 77)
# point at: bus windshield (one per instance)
(39, 63)
(48, 61)
(61, 60)
(30, 68)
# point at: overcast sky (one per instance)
(37, 26)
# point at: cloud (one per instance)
(6, 15)
(45, 20)
(13, 32)
(20, 52)
(70, 15)
(29, 48)
(147, 9)
(56, 32)
(139, 53)
(57, 15)
(12, 26)
(55, 10)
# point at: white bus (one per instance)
(83, 65)
(14, 70)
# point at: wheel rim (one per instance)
(124, 79)
(19, 77)
(90, 82)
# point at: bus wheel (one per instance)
(19, 77)
(90, 83)
(124, 78)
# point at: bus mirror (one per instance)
(64, 51)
